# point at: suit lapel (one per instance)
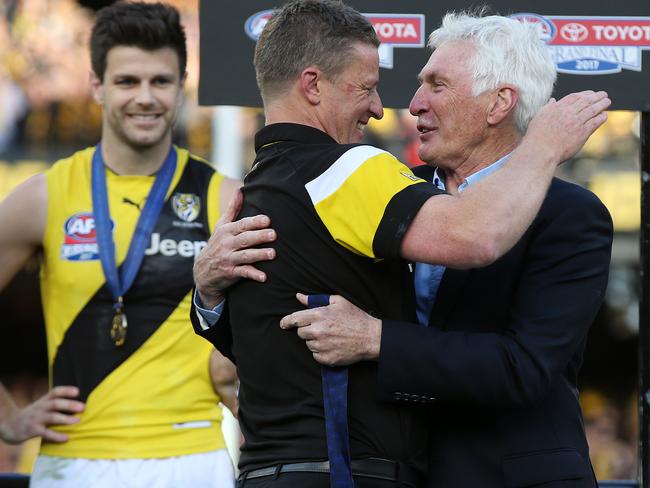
(448, 294)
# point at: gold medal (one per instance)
(118, 329)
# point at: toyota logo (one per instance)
(574, 32)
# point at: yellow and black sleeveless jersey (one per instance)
(151, 397)
(340, 212)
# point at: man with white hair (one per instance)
(504, 343)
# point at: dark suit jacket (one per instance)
(499, 361)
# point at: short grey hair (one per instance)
(304, 33)
(507, 52)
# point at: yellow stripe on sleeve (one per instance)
(352, 195)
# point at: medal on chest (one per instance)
(119, 282)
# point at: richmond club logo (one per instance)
(186, 206)
(393, 30)
(593, 45)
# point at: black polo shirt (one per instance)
(340, 212)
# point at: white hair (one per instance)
(507, 52)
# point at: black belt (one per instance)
(381, 469)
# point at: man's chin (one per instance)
(426, 156)
(144, 142)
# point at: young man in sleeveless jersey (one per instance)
(134, 398)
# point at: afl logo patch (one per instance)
(80, 238)
(80, 228)
(187, 206)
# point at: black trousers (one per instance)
(311, 480)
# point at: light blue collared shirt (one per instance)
(428, 276)
(207, 317)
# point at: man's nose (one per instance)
(417, 105)
(376, 107)
(145, 94)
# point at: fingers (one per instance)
(587, 103)
(60, 399)
(53, 436)
(247, 224)
(228, 255)
(252, 238)
(309, 333)
(256, 222)
(252, 273)
(303, 299)
(57, 407)
(595, 108)
(596, 122)
(578, 99)
(64, 405)
(63, 392)
(298, 319)
(312, 346)
(58, 418)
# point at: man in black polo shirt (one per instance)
(345, 214)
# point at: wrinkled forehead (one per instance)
(450, 59)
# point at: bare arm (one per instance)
(224, 380)
(22, 224)
(479, 226)
(23, 216)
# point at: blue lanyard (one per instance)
(335, 403)
(120, 283)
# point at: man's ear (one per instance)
(503, 104)
(97, 88)
(310, 84)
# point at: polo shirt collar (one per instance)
(285, 131)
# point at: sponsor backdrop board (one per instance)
(596, 45)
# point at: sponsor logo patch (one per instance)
(393, 30)
(80, 238)
(593, 45)
(170, 247)
(410, 176)
(396, 30)
(186, 206)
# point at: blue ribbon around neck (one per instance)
(120, 282)
(335, 403)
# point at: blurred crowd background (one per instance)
(46, 112)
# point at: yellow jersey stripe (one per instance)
(331, 179)
(378, 178)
